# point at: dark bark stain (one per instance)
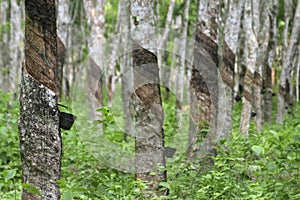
(146, 76)
(41, 43)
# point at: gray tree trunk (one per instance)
(40, 139)
(203, 78)
(162, 61)
(15, 44)
(284, 100)
(63, 26)
(206, 83)
(250, 48)
(181, 66)
(4, 20)
(271, 51)
(96, 22)
(149, 145)
(126, 65)
(297, 74)
(263, 39)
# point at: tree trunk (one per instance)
(16, 39)
(206, 83)
(149, 144)
(271, 51)
(297, 74)
(161, 53)
(250, 48)
(204, 78)
(263, 38)
(4, 35)
(182, 59)
(285, 85)
(226, 59)
(126, 67)
(63, 24)
(40, 139)
(96, 22)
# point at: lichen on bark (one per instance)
(40, 140)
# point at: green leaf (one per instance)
(9, 174)
(62, 183)
(31, 189)
(258, 150)
(165, 185)
(275, 134)
(68, 195)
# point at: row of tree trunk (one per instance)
(234, 52)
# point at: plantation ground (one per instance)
(265, 166)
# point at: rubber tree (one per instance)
(269, 60)
(96, 21)
(211, 112)
(149, 144)
(284, 100)
(249, 47)
(39, 133)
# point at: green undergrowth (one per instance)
(262, 166)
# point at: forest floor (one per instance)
(262, 166)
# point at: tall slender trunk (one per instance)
(225, 63)
(297, 74)
(63, 26)
(285, 76)
(250, 48)
(263, 39)
(206, 85)
(126, 66)
(96, 22)
(271, 51)
(149, 144)
(40, 139)
(162, 60)
(204, 78)
(16, 39)
(4, 35)
(182, 59)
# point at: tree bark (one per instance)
(126, 67)
(284, 100)
(147, 99)
(161, 53)
(40, 139)
(96, 22)
(182, 59)
(63, 24)
(15, 44)
(205, 83)
(249, 50)
(297, 74)
(262, 38)
(271, 51)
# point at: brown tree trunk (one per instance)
(40, 139)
